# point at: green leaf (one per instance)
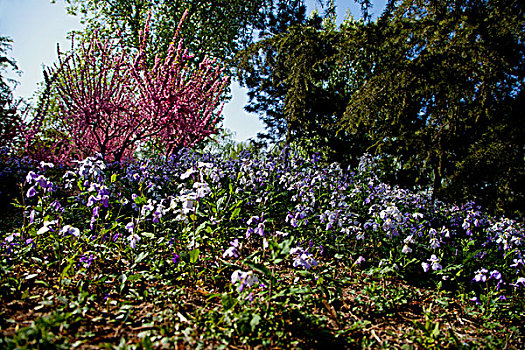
(235, 213)
(148, 234)
(261, 268)
(227, 301)
(123, 278)
(255, 321)
(140, 200)
(194, 255)
(134, 277)
(141, 257)
(220, 202)
(200, 227)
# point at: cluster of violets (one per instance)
(277, 197)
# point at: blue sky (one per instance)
(36, 26)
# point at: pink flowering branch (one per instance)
(110, 102)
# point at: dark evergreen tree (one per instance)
(299, 84)
(444, 94)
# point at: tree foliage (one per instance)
(438, 85)
(296, 90)
(10, 120)
(447, 79)
(111, 102)
(215, 28)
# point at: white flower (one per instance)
(204, 165)
(202, 189)
(133, 239)
(188, 205)
(130, 226)
(417, 215)
(305, 260)
(406, 249)
(296, 250)
(70, 230)
(10, 238)
(245, 279)
(435, 262)
(46, 227)
(187, 174)
(481, 275)
(434, 243)
(44, 164)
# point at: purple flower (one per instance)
(434, 243)
(133, 239)
(92, 222)
(87, 260)
(232, 252)
(481, 275)
(31, 192)
(91, 201)
(105, 201)
(43, 182)
(245, 279)
(305, 260)
(520, 281)
(70, 230)
(176, 258)
(57, 206)
(130, 226)
(260, 229)
(147, 209)
(435, 263)
(495, 274)
(30, 177)
(302, 258)
(406, 249)
(253, 219)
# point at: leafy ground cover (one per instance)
(268, 251)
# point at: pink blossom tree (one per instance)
(111, 100)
